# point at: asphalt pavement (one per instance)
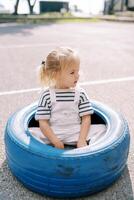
(107, 68)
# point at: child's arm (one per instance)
(85, 126)
(48, 132)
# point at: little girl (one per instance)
(64, 110)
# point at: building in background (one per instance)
(112, 6)
(53, 6)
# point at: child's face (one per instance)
(68, 78)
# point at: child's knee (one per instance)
(36, 132)
(102, 127)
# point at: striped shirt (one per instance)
(45, 105)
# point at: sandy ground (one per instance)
(106, 51)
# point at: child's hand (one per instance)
(58, 144)
(81, 143)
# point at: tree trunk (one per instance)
(31, 7)
(16, 7)
(111, 7)
(122, 5)
(126, 3)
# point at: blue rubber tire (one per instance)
(70, 172)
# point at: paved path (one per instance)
(107, 73)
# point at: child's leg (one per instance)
(96, 132)
(37, 133)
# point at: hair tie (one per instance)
(43, 62)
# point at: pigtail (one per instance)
(42, 73)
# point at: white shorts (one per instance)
(96, 132)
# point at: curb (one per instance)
(117, 19)
(36, 19)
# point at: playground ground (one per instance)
(107, 72)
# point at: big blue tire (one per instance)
(70, 172)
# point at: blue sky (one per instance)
(88, 6)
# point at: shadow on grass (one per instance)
(12, 189)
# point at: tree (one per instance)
(122, 5)
(16, 7)
(127, 4)
(111, 7)
(31, 6)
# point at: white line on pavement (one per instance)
(19, 91)
(81, 84)
(29, 45)
(131, 78)
(22, 46)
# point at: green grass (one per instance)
(45, 18)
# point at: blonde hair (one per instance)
(56, 61)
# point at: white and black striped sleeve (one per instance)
(44, 106)
(85, 107)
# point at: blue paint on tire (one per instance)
(70, 172)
